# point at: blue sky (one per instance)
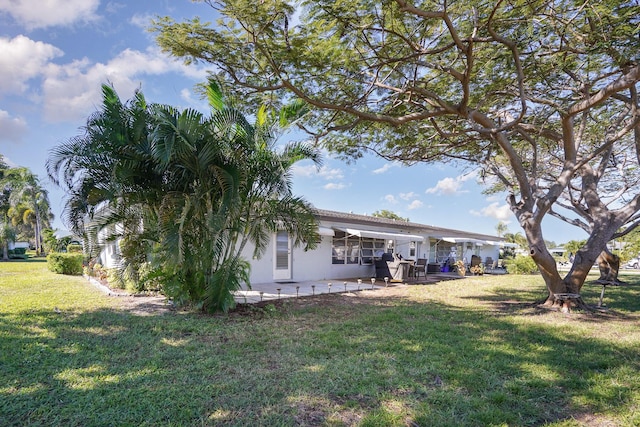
(56, 54)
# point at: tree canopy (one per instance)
(385, 213)
(541, 96)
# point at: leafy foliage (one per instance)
(64, 263)
(184, 191)
(384, 213)
(521, 264)
(539, 96)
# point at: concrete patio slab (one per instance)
(273, 291)
(280, 290)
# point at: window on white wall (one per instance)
(338, 248)
(353, 250)
(370, 248)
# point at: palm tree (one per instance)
(188, 189)
(501, 228)
(27, 191)
(107, 171)
(228, 187)
(7, 235)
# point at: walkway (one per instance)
(273, 291)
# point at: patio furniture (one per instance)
(393, 267)
(420, 266)
(433, 267)
(475, 260)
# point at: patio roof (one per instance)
(381, 234)
(465, 240)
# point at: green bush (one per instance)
(521, 264)
(74, 248)
(17, 253)
(62, 263)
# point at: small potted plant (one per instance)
(477, 270)
(461, 268)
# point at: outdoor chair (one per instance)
(475, 260)
(420, 266)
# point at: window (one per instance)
(353, 250)
(338, 249)
(370, 249)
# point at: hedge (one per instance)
(522, 264)
(74, 248)
(62, 263)
(18, 253)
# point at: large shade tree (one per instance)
(541, 96)
(184, 189)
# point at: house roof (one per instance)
(406, 226)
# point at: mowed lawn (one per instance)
(471, 352)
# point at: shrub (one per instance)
(62, 263)
(17, 253)
(521, 265)
(74, 248)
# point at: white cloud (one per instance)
(449, 186)
(416, 204)
(22, 59)
(187, 95)
(46, 13)
(385, 167)
(334, 186)
(141, 21)
(13, 128)
(114, 7)
(71, 91)
(408, 196)
(331, 174)
(445, 186)
(494, 210)
(324, 172)
(304, 171)
(391, 199)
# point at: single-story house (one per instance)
(18, 245)
(350, 244)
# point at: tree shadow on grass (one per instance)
(619, 302)
(380, 361)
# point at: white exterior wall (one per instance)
(110, 253)
(492, 251)
(317, 264)
(306, 266)
(15, 245)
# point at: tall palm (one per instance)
(107, 171)
(5, 192)
(194, 187)
(230, 187)
(26, 189)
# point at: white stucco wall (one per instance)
(306, 266)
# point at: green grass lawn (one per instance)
(472, 352)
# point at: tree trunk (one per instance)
(38, 238)
(564, 294)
